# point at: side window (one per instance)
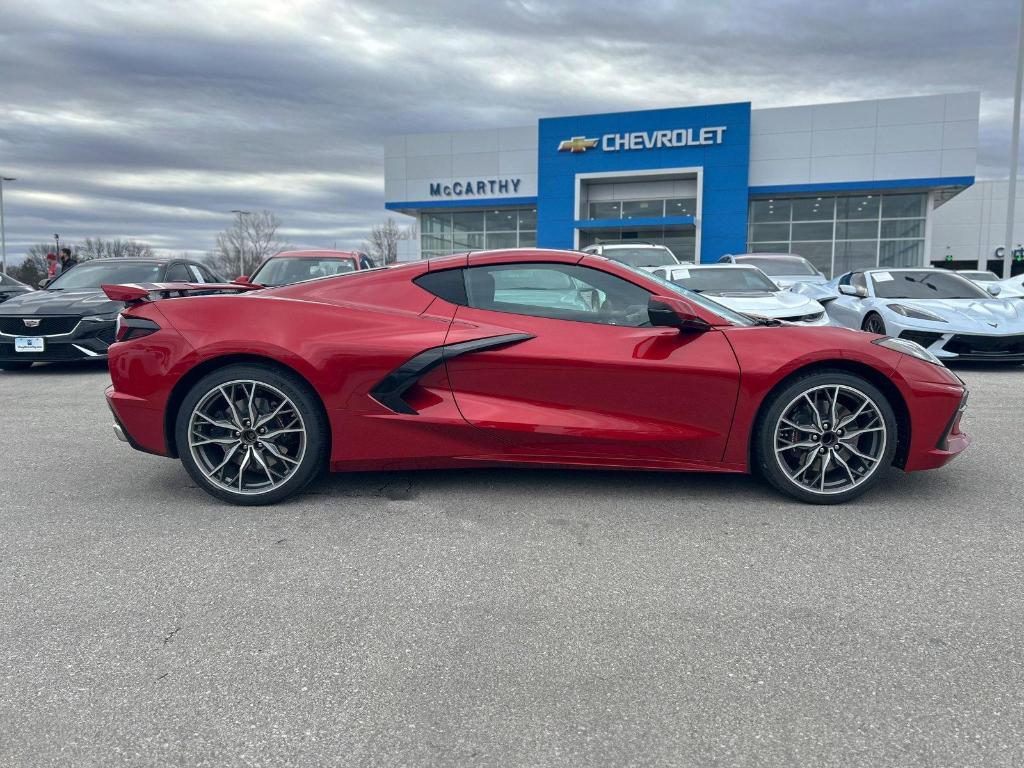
(447, 284)
(208, 276)
(197, 276)
(559, 292)
(365, 262)
(858, 281)
(177, 273)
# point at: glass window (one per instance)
(527, 218)
(558, 292)
(814, 209)
(925, 284)
(902, 228)
(468, 221)
(718, 279)
(494, 240)
(606, 210)
(527, 239)
(87, 276)
(903, 206)
(500, 221)
(778, 265)
(901, 253)
(819, 254)
(817, 231)
(681, 206)
(643, 209)
(435, 243)
(436, 224)
(178, 273)
(857, 230)
(285, 271)
(854, 254)
(468, 241)
(770, 210)
(769, 247)
(774, 232)
(858, 207)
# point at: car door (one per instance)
(589, 379)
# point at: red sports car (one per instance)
(514, 358)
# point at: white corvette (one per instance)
(748, 290)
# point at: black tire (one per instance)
(768, 463)
(15, 366)
(874, 323)
(308, 407)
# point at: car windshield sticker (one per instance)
(882, 277)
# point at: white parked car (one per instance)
(1011, 287)
(642, 255)
(947, 314)
(785, 269)
(746, 289)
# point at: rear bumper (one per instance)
(136, 423)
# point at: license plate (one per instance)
(29, 344)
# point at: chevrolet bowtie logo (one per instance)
(577, 144)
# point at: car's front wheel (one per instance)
(874, 323)
(251, 434)
(825, 437)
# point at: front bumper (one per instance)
(86, 340)
(969, 347)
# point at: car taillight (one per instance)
(129, 328)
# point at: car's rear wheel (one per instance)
(826, 437)
(874, 323)
(251, 434)
(15, 366)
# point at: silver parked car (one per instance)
(950, 316)
(786, 269)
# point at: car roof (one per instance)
(630, 245)
(768, 256)
(320, 254)
(132, 260)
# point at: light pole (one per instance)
(1011, 191)
(241, 239)
(3, 233)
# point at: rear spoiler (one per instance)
(136, 293)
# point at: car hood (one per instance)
(767, 304)
(971, 315)
(60, 303)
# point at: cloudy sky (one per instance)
(152, 120)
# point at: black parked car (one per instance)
(71, 318)
(10, 287)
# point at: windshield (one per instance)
(723, 279)
(288, 270)
(779, 265)
(84, 277)
(712, 306)
(922, 284)
(9, 282)
(642, 257)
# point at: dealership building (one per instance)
(848, 185)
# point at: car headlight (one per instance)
(100, 318)
(915, 314)
(907, 347)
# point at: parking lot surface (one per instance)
(502, 618)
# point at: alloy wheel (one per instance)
(247, 437)
(830, 438)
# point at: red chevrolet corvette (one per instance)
(519, 357)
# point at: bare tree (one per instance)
(116, 248)
(383, 241)
(243, 245)
(33, 267)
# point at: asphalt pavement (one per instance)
(502, 618)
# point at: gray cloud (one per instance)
(152, 120)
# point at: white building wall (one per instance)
(972, 225)
(917, 137)
(414, 161)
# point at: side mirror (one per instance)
(241, 280)
(993, 289)
(853, 290)
(45, 282)
(668, 312)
